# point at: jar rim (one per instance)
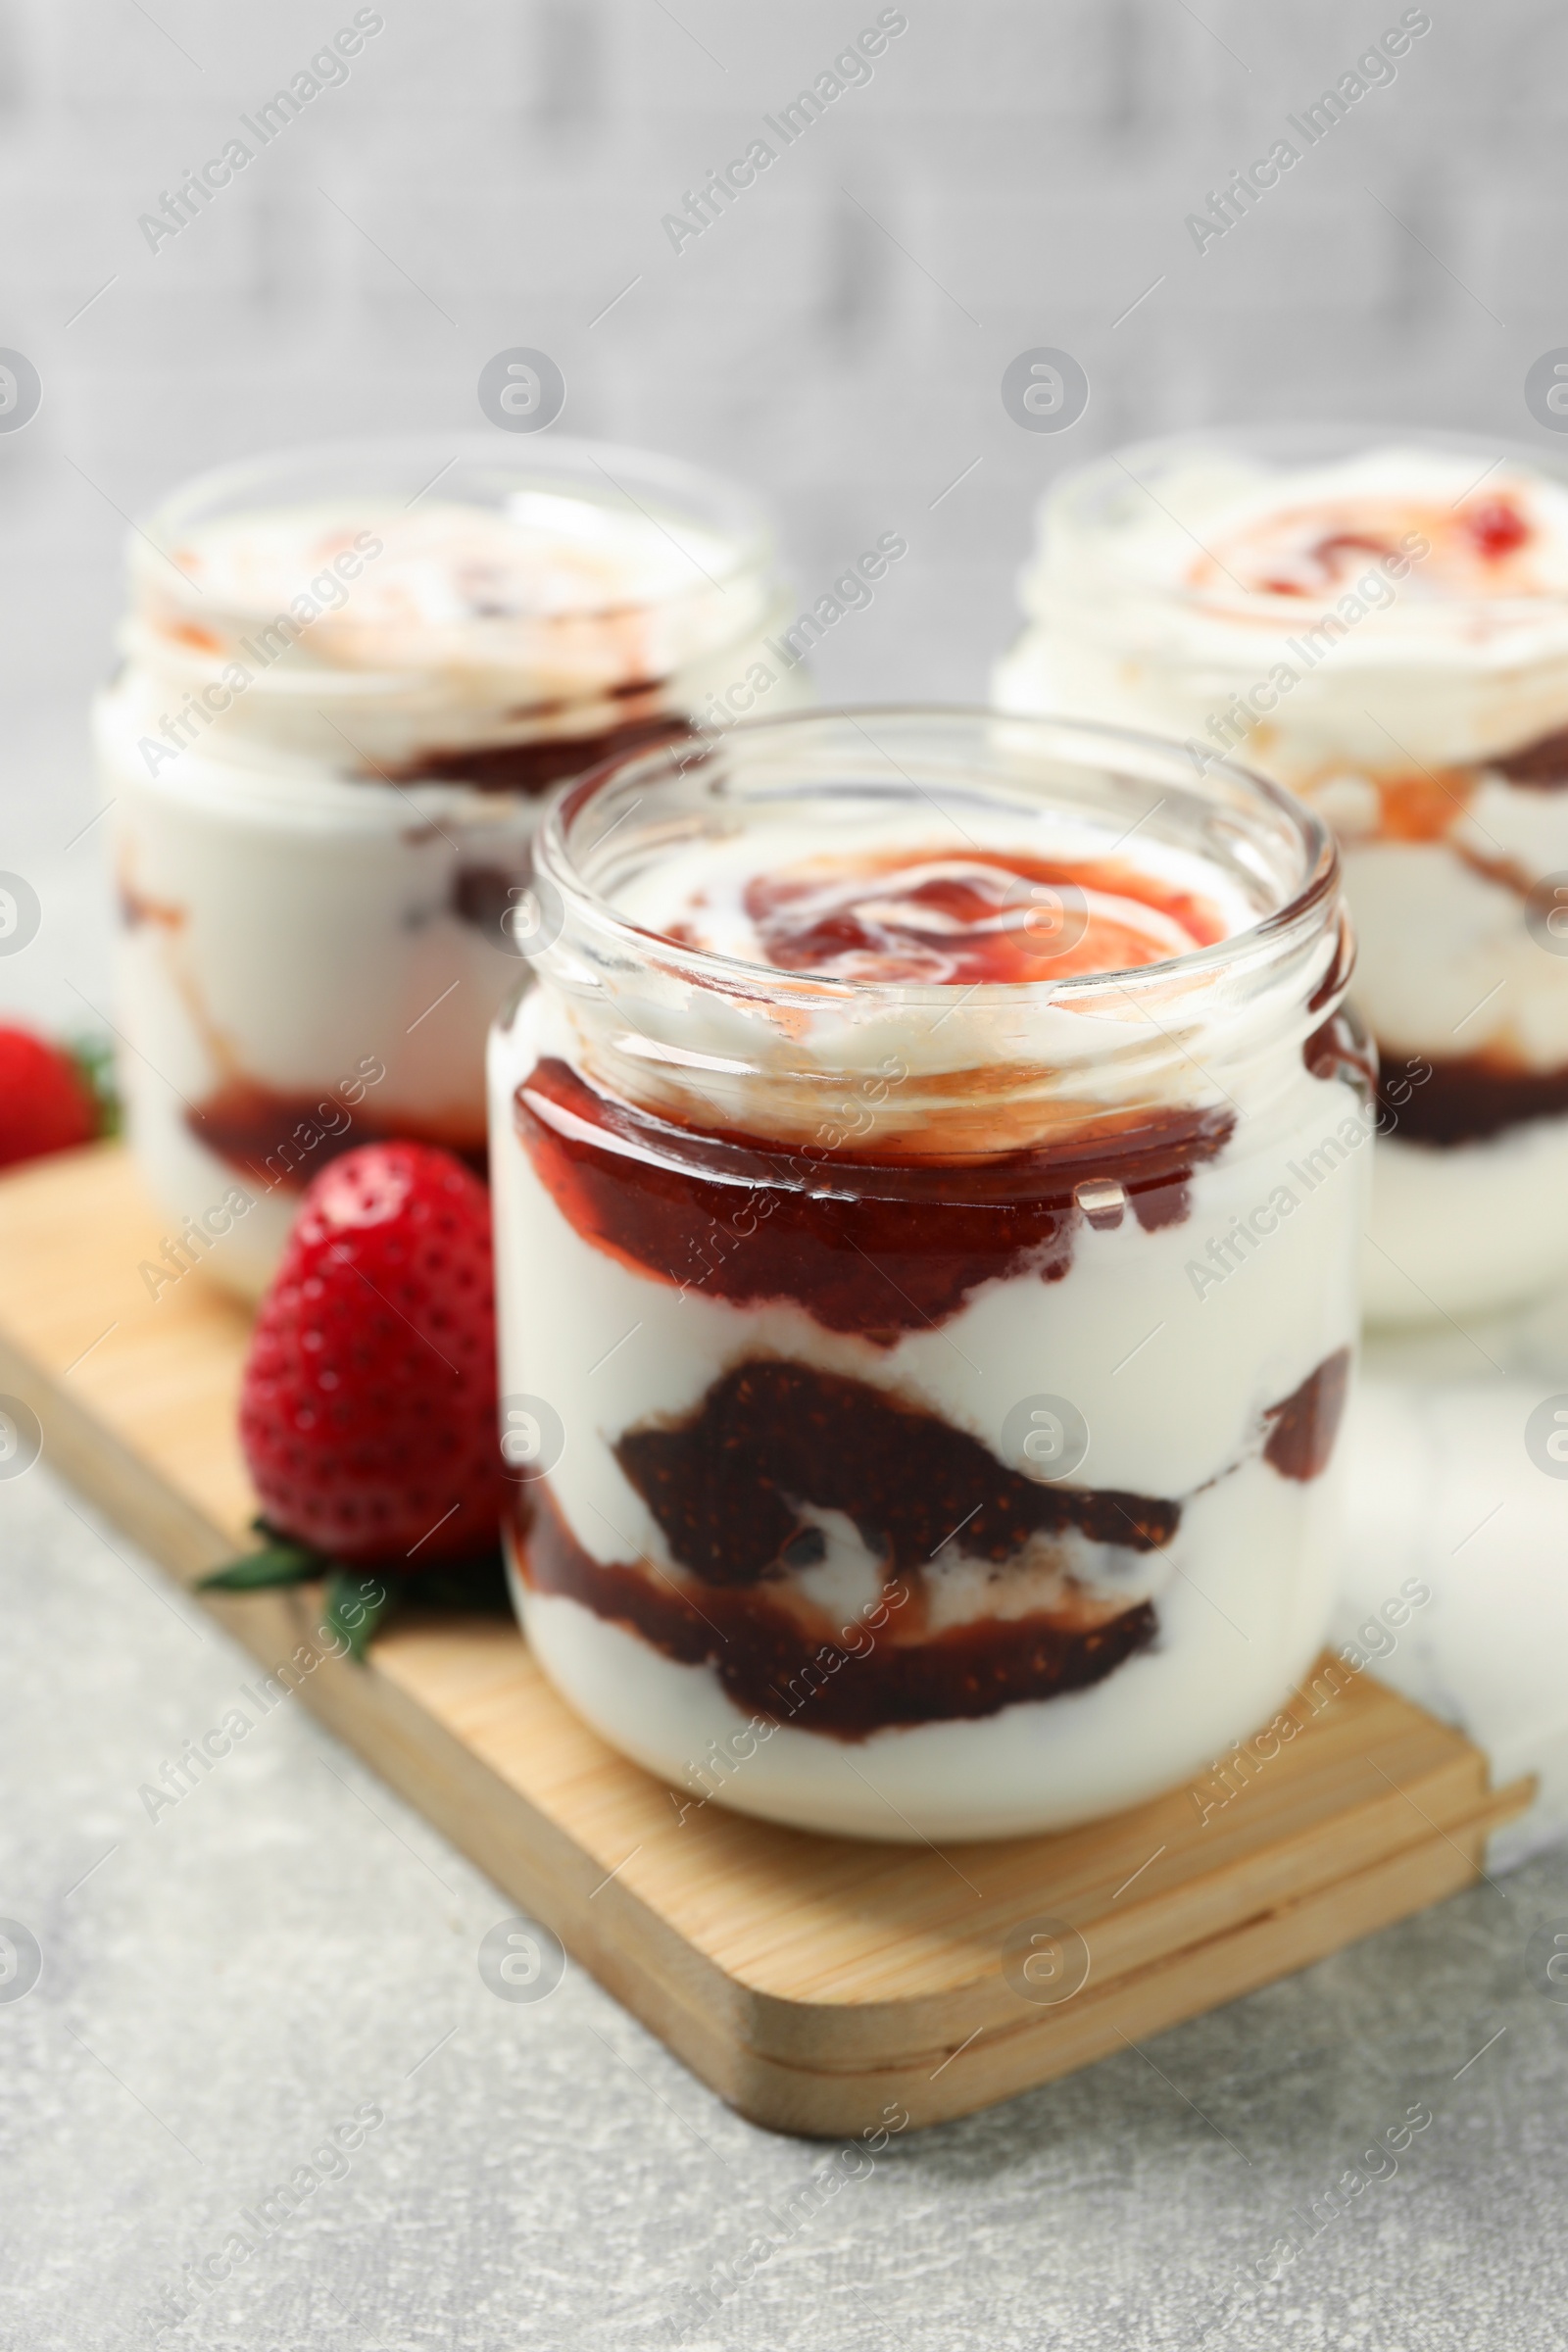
(1301, 915)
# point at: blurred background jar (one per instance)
(351, 677)
(1379, 620)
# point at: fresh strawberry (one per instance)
(367, 1411)
(46, 1105)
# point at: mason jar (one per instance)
(1378, 619)
(928, 1177)
(350, 675)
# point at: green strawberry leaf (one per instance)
(356, 1602)
(94, 1058)
(276, 1563)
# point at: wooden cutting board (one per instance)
(814, 1982)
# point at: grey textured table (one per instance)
(289, 1947)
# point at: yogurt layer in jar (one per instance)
(928, 1179)
(1379, 621)
(350, 676)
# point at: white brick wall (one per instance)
(1026, 162)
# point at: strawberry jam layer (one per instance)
(1541, 766)
(771, 1663)
(878, 1248)
(531, 769)
(1302, 1426)
(983, 916)
(283, 1140)
(1468, 1099)
(732, 1484)
(727, 1484)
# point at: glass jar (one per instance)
(927, 1181)
(1378, 619)
(350, 675)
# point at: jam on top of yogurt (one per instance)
(561, 556)
(935, 914)
(1482, 545)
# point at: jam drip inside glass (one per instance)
(1302, 1426)
(846, 1685)
(531, 769)
(283, 1140)
(1466, 1099)
(877, 1247)
(1541, 766)
(726, 1485)
(732, 1486)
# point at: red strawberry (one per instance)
(367, 1411)
(45, 1103)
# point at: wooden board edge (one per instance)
(702, 2014)
(705, 2016)
(846, 2036)
(946, 2085)
(697, 2011)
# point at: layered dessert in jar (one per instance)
(349, 677)
(1379, 621)
(928, 1177)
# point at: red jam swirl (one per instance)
(1302, 1426)
(727, 1484)
(730, 1483)
(844, 1682)
(870, 1246)
(531, 769)
(963, 919)
(1467, 1100)
(1541, 766)
(280, 1140)
(1476, 547)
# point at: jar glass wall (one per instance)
(927, 1182)
(351, 675)
(1378, 619)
